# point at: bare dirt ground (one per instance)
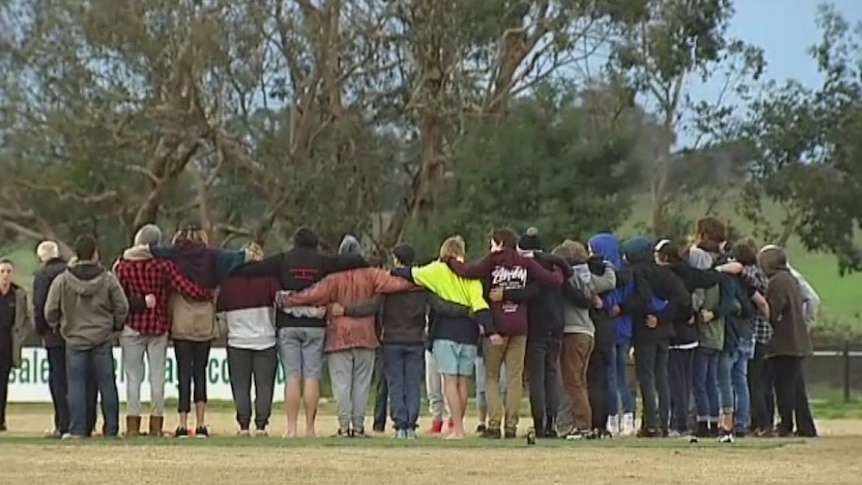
(831, 460)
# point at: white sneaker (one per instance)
(614, 424)
(628, 425)
(726, 438)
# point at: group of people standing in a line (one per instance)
(714, 332)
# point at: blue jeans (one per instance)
(404, 366)
(79, 364)
(618, 381)
(739, 382)
(725, 388)
(706, 384)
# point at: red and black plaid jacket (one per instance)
(157, 277)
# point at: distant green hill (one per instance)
(841, 297)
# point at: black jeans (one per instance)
(680, 376)
(792, 397)
(651, 360)
(760, 388)
(542, 362)
(381, 394)
(789, 384)
(245, 366)
(5, 371)
(58, 384)
(597, 385)
(192, 360)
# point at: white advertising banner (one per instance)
(29, 383)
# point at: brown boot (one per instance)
(133, 426)
(156, 424)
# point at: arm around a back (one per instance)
(119, 303)
(541, 274)
(54, 301)
(477, 270)
(41, 284)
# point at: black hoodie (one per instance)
(663, 284)
(685, 330)
(545, 308)
(604, 337)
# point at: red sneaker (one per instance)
(437, 426)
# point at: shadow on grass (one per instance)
(379, 442)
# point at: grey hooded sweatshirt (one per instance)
(87, 304)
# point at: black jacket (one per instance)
(402, 318)
(685, 329)
(544, 302)
(41, 283)
(604, 337)
(296, 270)
(652, 280)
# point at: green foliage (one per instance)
(539, 167)
(807, 147)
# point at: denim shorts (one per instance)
(453, 358)
(300, 350)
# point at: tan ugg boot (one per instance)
(156, 424)
(133, 426)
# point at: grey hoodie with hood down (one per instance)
(87, 304)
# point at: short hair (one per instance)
(453, 247)
(744, 253)
(47, 250)
(7, 261)
(668, 251)
(711, 229)
(85, 248)
(305, 238)
(505, 237)
(577, 251)
(148, 234)
(404, 254)
(751, 242)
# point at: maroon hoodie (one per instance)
(508, 270)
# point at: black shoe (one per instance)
(714, 430)
(551, 434)
(358, 433)
(510, 434)
(481, 429)
(702, 430)
(491, 434)
(740, 432)
(181, 433)
(344, 434)
(649, 433)
(3, 428)
(202, 432)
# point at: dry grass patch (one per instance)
(832, 460)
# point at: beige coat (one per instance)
(23, 324)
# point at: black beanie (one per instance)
(530, 241)
(305, 238)
(405, 254)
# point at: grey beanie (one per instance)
(350, 245)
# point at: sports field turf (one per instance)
(27, 459)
